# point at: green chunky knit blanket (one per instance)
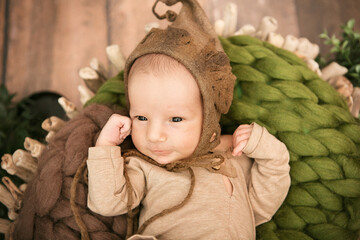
(276, 89)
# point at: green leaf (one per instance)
(324, 35)
(335, 41)
(344, 44)
(357, 68)
(350, 24)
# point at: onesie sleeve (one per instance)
(269, 178)
(107, 188)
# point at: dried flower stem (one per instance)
(68, 107)
(24, 160)
(91, 78)
(52, 124)
(8, 164)
(35, 147)
(99, 68)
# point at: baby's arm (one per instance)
(269, 177)
(108, 193)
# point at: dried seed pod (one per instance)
(230, 19)
(99, 68)
(35, 147)
(247, 29)
(6, 198)
(85, 94)
(23, 187)
(91, 78)
(314, 66)
(275, 39)
(307, 49)
(23, 159)
(115, 57)
(69, 107)
(267, 25)
(12, 214)
(291, 43)
(8, 164)
(342, 85)
(15, 192)
(315, 51)
(303, 47)
(219, 27)
(333, 70)
(52, 124)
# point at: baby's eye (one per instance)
(176, 119)
(141, 118)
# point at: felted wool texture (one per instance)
(278, 91)
(46, 213)
(192, 41)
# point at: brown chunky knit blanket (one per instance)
(47, 212)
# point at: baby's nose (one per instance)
(156, 133)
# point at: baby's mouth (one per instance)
(159, 152)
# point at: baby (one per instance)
(166, 116)
(190, 182)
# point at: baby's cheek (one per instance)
(137, 135)
(188, 142)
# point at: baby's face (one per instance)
(166, 113)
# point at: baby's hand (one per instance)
(240, 138)
(116, 129)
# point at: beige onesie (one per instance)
(259, 189)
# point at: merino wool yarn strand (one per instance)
(323, 139)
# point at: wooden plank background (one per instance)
(44, 43)
(2, 38)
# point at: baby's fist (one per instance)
(116, 129)
(241, 138)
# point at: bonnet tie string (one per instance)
(206, 161)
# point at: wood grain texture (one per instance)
(2, 39)
(316, 16)
(49, 41)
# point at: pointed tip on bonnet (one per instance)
(192, 41)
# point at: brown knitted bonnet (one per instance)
(192, 41)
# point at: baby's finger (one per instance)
(238, 138)
(243, 127)
(124, 134)
(126, 125)
(238, 149)
(125, 130)
(242, 130)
